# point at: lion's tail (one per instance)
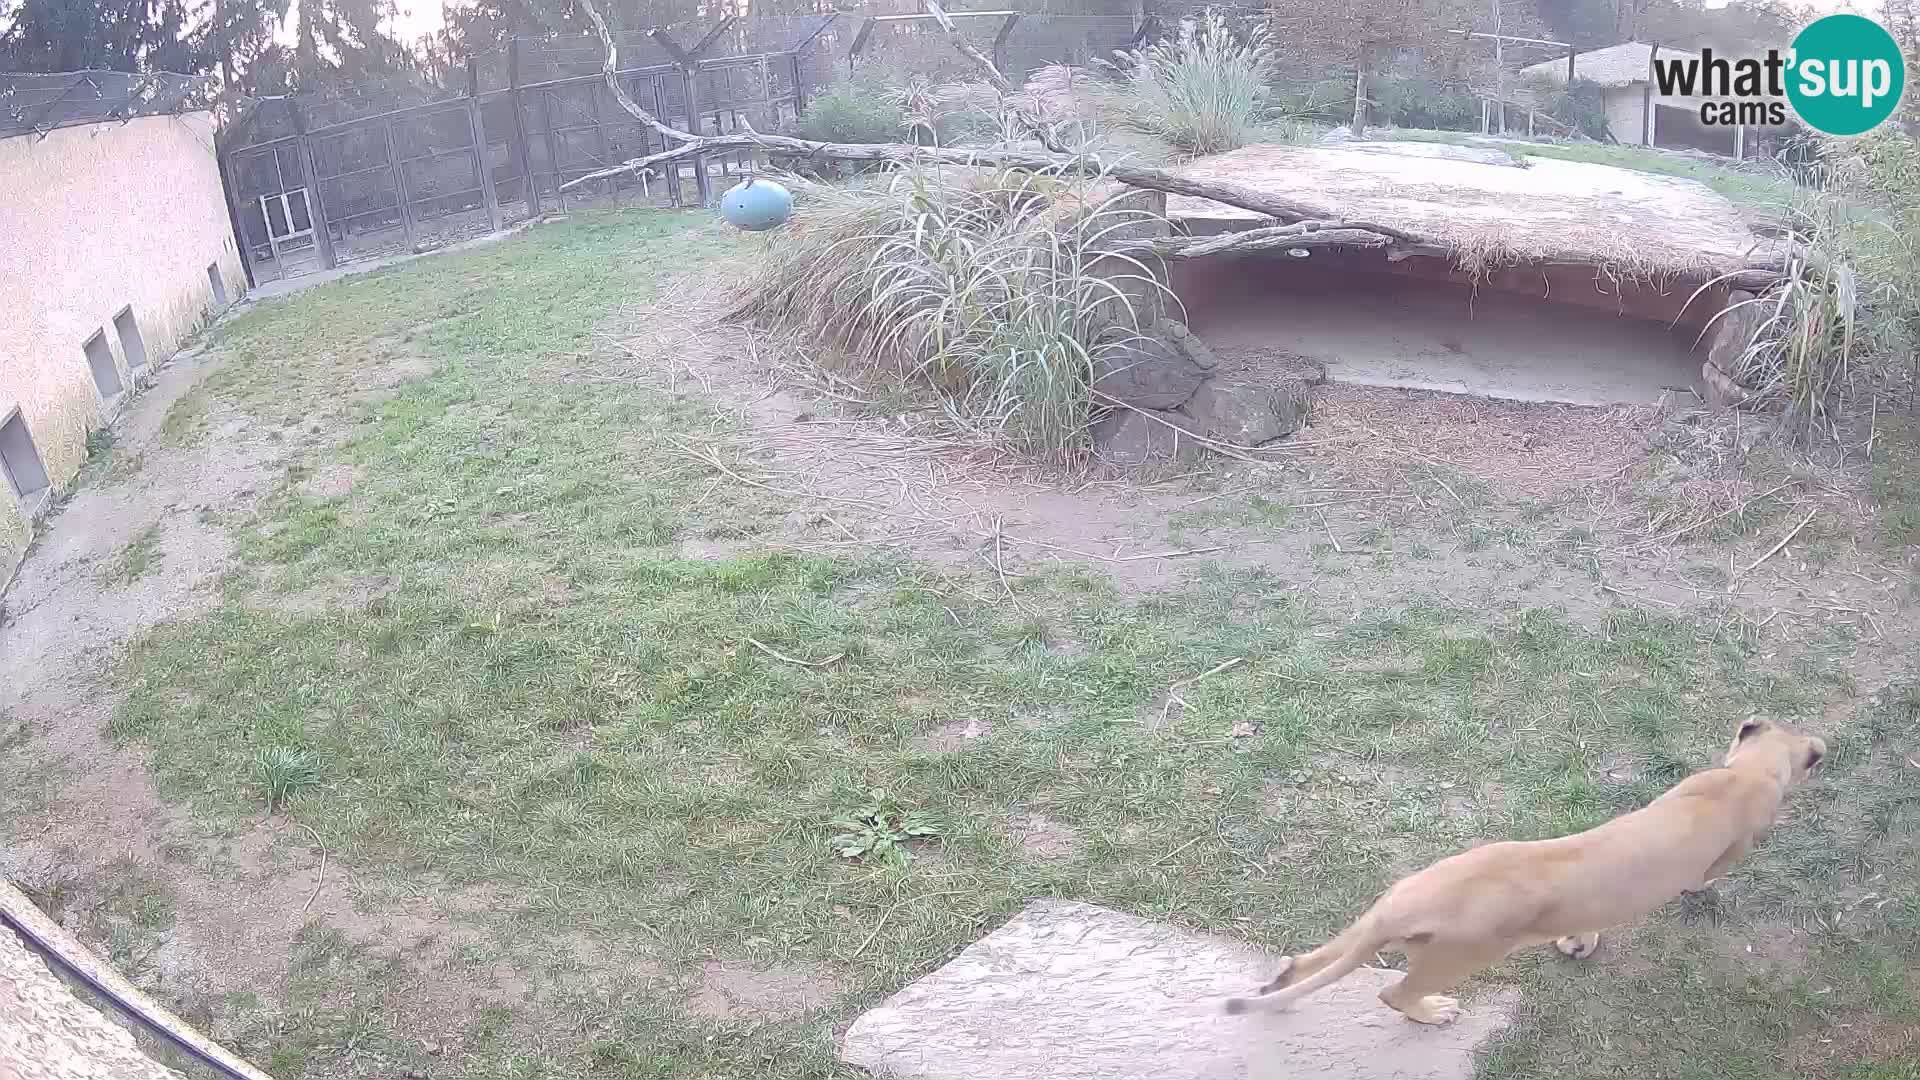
(1327, 964)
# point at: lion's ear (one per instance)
(1752, 726)
(1816, 753)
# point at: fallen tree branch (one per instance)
(1791, 533)
(966, 48)
(1299, 225)
(1301, 235)
(620, 95)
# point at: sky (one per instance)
(419, 17)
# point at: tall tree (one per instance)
(1367, 36)
(128, 35)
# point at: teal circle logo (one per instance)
(1846, 74)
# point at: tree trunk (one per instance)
(1360, 100)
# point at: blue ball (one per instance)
(756, 205)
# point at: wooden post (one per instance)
(1739, 142)
(1486, 114)
(482, 156)
(316, 206)
(1000, 42)
(1571, 53)
(1499, 68)
(553, 148)
(1360, 97)
(799, 87)
(231, 190)
(689, 64)
(530, 189)
(701, 183)
(1646, 99)
(672, 174)
(399, 187)
(600, 136)
(1529, 121)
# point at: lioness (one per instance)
(1469, 911)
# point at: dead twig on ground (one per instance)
(321, 880)
(1329, 529)
(888, 914)
(1604, 587)
(1775, 549)
(1444, 486)
(1196, 839)
(1167, 554)
(999, 567)
(1173, 692)
(796, 661)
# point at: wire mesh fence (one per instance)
(38, 104)
(392, 167)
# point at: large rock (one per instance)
(1148, 372)
(1068, 991)
(1127, 437)
(1188, 342)
(1246, 415)
(1731, 331)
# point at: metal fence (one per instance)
(307, 197)
(37, 104)
(369, 172)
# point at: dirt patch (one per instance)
(1043, 837)
(1765, 946)
(1388, 496)
(350, 594)
(1861, 1038)
(245, 895)
(330, 482)
(952, 735)
(732, 990)
(698, 548)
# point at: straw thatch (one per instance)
(1612, 67)
(1634, 224)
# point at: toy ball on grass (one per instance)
(756, 205)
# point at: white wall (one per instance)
(1624, 107)
(93, 219)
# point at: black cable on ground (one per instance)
(67, 967)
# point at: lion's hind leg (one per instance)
(1434, 966)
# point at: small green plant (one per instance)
(1205, 90)
(282, 772)
(854, 110)
(879, 830)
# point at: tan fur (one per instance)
(1470, 911)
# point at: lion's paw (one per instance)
(1434, 1009)
(1578, 946)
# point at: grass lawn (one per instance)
(517, 684)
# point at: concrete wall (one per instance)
(94, 219)
(1624, 113)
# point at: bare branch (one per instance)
(1298, 225)
(967, 49)
(607, 69)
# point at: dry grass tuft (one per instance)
(992, 287)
